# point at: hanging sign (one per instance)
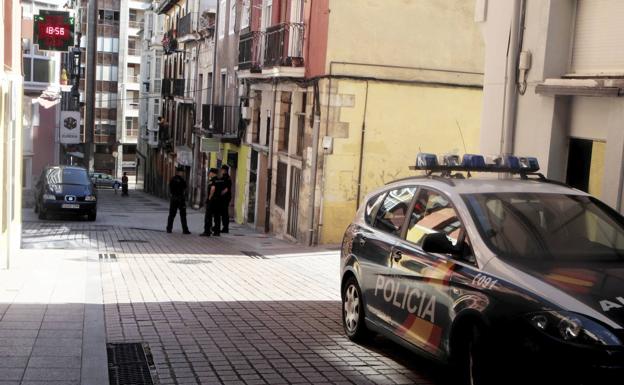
(70, 127)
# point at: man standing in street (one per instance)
(124, 184)
(226, 197)
(215, 186)
(177, 193)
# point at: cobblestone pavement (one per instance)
(244, 308)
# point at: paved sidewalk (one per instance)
(243, 308)
(45, 304)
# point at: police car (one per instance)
(506, 278)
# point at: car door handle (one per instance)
(397, 255)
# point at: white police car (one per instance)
(511, 280)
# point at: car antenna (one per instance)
(461, 135)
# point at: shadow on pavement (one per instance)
(274, 341)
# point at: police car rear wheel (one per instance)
(353, 311)
(475, 358)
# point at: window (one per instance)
(285, 122)
(536, 227)
(371, 208)
(232, 16)
(27, 69)
(41, 71)
(280, 193)
(221, 19)
(245, 15)
(432, 213)
(268, 14)
(391, 214)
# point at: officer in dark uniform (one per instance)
(226, 197)
(211, 220)
(177, 193)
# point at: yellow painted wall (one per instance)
(596, 169)
(401, 120)
(438, 34)
(241, 183)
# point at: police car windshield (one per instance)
(537, 226)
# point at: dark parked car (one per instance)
(65, 189)
(512, 280)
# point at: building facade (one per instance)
(334, 108)
(557, 93)
(187, 62)
(41, 70)
(11, 90)
(150, 99)
(118, 67)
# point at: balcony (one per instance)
(134, 51)
(133, 78)
(178, 87)
(284, 45)
(166, 87)
(226, 119)
(249, 51)
(138, 24)
(185, 25)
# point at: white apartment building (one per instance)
(557, 92)
(150, 93)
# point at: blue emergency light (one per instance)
(476, 163)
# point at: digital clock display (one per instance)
(54, 31)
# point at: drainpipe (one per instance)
(361, 162)
(267, 218)
(316, 126)
(214, 67)
(511, 88)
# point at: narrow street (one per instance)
(244, 308)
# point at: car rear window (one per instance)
(67, 176)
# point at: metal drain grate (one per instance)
(132, 241)
(108, 257)
(129, 364)
(254, 255)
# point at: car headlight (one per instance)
(49, 197)
(573, 327)
(90, 198)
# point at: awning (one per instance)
(184, 156)
(76, 154)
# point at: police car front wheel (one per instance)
(353, 311)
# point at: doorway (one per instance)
(586, 165)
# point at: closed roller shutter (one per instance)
(598, 38)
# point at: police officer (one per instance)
(226, 197)
(177, 193)
(215, 187)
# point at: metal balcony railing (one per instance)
(135, 24)
(133, 78)
(250, 50)
(226, 119)
(134, 51)
(283, 45)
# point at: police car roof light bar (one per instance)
(476, 163)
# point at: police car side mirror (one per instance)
(438, 243)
